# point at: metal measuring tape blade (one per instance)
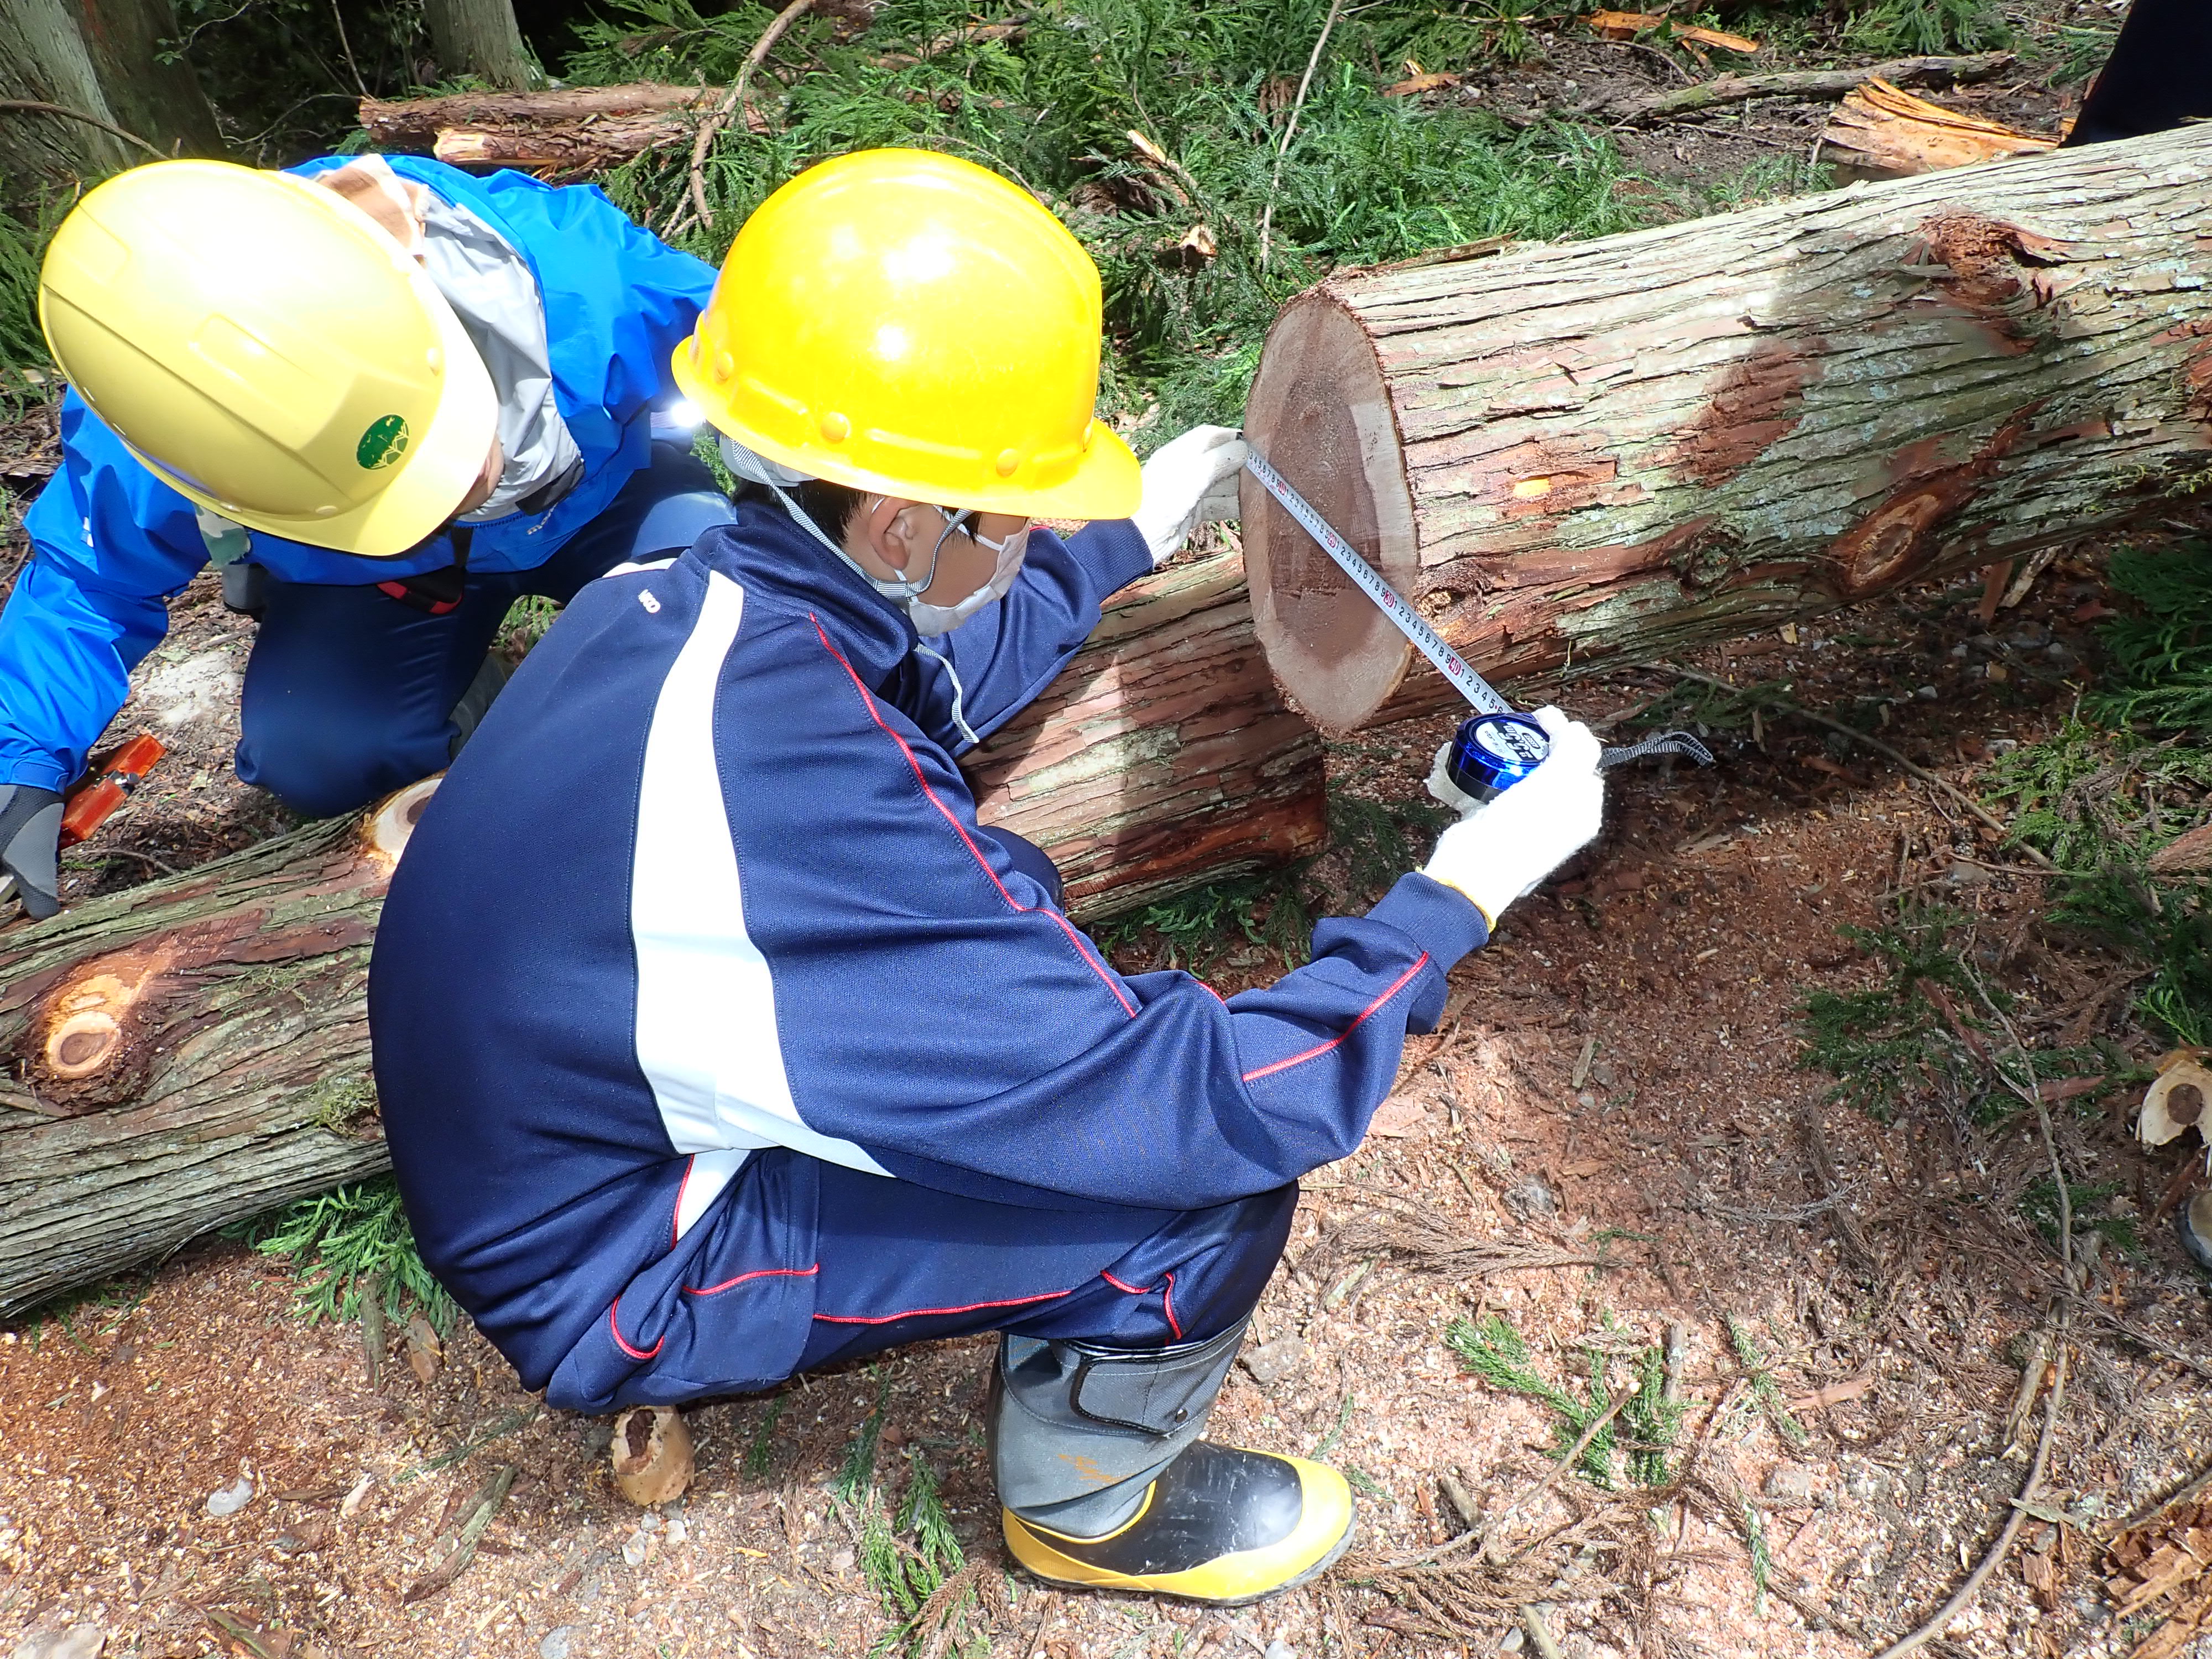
(1499, 746)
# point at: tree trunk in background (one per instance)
(162, 103)
(1574, 457)
(480, 38)
(1163, 757)
(195, 1051)
(101, 58)
(43, 58)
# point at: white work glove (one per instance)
(1189, 481)
(1500, 849)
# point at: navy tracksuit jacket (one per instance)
(715, 1038)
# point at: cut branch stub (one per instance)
(1568, 457)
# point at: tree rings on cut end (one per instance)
(1321, 413)
(385, 831)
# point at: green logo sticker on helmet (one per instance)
(383, 444)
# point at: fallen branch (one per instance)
(2018, 1516)
(1635, 110)
(35, 106)
(415, 123)
(704, 139)
(1850, 1233)
(1493, 1535)
(1781, 706)
(2055, 1402)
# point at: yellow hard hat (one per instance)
(262, 345)
(900, 321)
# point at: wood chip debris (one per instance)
(2175, 1100)
(1832, 1394)
(1627, 25)
(1893, 135)
(1419, 81)
(2164, 1559)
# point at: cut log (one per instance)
(1163, 755)
(564, 133)
(189, 1053)
(1878, 132)
(1635, 108)
(195, 1051)
(1572, 457)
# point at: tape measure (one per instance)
(1496, 747)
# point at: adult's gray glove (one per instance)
(1189, 481)
(30, 838)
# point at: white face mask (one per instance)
(929, 620)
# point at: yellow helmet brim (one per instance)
(1107, 482)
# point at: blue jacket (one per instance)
(110, 542)
(708, 881)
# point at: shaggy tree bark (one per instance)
(567, 133)
(1575, 456)
(480, 38)
(196, 1050)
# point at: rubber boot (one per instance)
(1105, 1483)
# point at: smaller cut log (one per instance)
(1636, 108)
(1880, 132)
(1163, 755)
(1605, 452)
(567, 133)
(189, 1053)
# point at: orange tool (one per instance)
(102, 791)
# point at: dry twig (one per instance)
(1291, 127)
(731, 104)
(1493, 1534)
(1427, 1240)
(2054, 1404)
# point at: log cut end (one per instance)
(1320, 411)
(385, 831)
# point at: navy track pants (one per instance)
(801, 1263)
(349, 693)
(900, 1263)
